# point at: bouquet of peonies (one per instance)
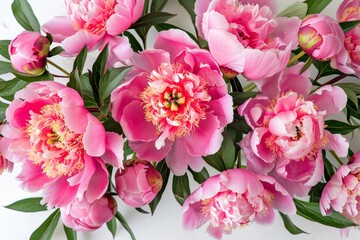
(249, 95)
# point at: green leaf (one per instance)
(296, 9)
(347, 26)
(3, 107)
(31, 78)
(55, 51)
(315, 192)
(47, 228)
(289, 225)
(335, 126)
(98, 70)
(80, 59)
(25, 16)
(70, 233)
(125, 224)
(112, 79)
(325, 69)
(5, 67)
(165, 172)
(111, 125)
(240, 97)
(201, 176)
(158, 5)
(311, 211)
(140, 210)
(316, 6)
(27, 205)
(351, 95)
(152, 19)
(4, 48)
(135, 45)
(111, 225)
(181, 188)
(350, 85)
(10, 87)
(189, 6)
(166, 26)
(329, 168)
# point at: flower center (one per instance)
(58, 150)
(91, 15)
(175, 100)
(232, 210)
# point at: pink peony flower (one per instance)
(234, 199)
(349, 10)
(246, 37)
(342, 192)
(288, 129)
(59, 143)
(175, 104)
(5, 165)
(92, 23)
(322, 38)
(28, 52)
(138, 183)
(85, 216)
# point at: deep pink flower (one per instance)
(234, 199)
(94, 22)
(138, 183)
(349, 10)
(175, 104)
(342, 192)
(246, 37)
(5, 165)
(322, 38)
(85, 216)
(28, 53)
(288, 129)
(61, 145)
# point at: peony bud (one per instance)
(28, 52)
(321, 37)
(138, 183)
(85, 216)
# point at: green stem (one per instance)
(249, 87)
(58, 67)
(296, 57)
(334, 80)
(336, 157)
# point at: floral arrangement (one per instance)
(251, 94)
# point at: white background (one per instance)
(166, 223)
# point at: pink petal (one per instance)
(134, 125)
(174, 41)
(213, 20)
(114, 153)
(59, 193)
(222, 108)
(332, 99)
(75, 43)
(148, 151)
(94, 137)
(338, 143)
(98, 183)
(241, 181)
(60, 28)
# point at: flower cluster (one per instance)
(250, 92)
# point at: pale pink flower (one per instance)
(233, 199)
(246, 37)
(91, 23)
(288, 129)
(175, 104)
(62, 147)
(138, 183)
(349, 10)
(85, 216)
(28, 53)
(322, 38)
(342, 192)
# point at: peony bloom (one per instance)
(5, 165)
(322, 38)
(85, 216)
(138, 183)
(28, 53)
(342, 192)
(175, 103)
(62, 147)
(91, 23)
(233, 199)
(288, 129)
(349, 10)
(246, 37)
